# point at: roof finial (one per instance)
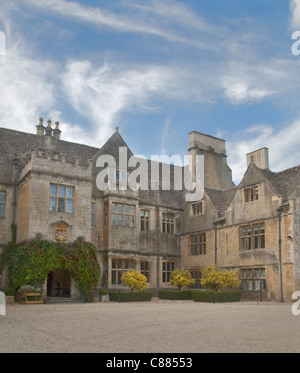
(117, 129)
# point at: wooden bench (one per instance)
(37, 298)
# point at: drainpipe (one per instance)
(216, 241)
(279, 211)
(14, 203)
(216, 223)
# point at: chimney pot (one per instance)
(56, 131)
(49, 128)
(40, 128)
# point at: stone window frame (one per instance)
(119, 266)
(2, 203)
(168, 223)
(251, 194)
(145, 268)
(197, 244)
(145, 219)
(197, 208)
(168, 266)
(252, 236)
(124, 214)
(253, 278)
(61, 199)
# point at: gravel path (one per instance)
(159, 326)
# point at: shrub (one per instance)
(219, 296)
(181, 278)
(30, 263)
(175, 294)
(126, 296)
(10, 291)
(134, 280)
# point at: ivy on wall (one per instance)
(30, 263)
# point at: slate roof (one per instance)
(285, 182)
(221, 198)
(17, 142)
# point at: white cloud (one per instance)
(295, 10)
(126, 22)
(283, 145)
(102, 93)
(238, 92)
(26, 85)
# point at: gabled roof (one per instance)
(285, 182)
(221, 199)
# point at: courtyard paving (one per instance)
(159, 326)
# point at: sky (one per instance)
(157, 69)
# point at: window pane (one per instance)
(2, 197)
(61, 191)
(120, 208)
(114, 207)
(263, 272)
(114, 219)
(61, 204)
(256, 284)
(1, 210)
(120, 219)
(52, 205)
(70, 192)
(53, 190)
(69, 207)
(131, 223)
(126, 220)
(126, 209)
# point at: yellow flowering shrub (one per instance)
(181, 278)
(134, 280)
(215, 279)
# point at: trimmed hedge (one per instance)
(126, 296)
(219, 296)
(175, 294)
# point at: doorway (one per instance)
(59, 284)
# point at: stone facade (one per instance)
(48, 188)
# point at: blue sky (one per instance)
(157, 69)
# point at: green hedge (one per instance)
(175, 294)
(126, 296)
(219, 296)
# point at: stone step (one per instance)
(62, 300)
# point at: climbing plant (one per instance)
(30, 263)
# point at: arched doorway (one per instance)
(59, 284)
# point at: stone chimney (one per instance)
(56, 131)
(259, 157)
(40, 130)
(217, 173)
(49, 129)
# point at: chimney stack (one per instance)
(49, 129)
(260, 157)
(56, 131)
(40, 130)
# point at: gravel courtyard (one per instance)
(159, 326)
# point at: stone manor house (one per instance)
(48, 189)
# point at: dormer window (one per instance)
(251, 194)
(197, 208)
